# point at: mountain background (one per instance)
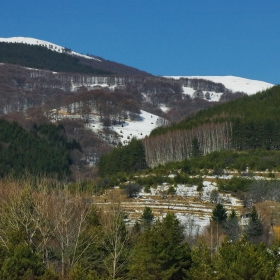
(101, 103)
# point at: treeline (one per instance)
(244, 163)
(112, 107)
(262, 106)
(250, 122)
(237, 135)
(254, 160)
(237, 125)
(178, 145)
(43, 150)
(42, 58)
(58, 233)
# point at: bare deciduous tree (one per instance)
(116, 241)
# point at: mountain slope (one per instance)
(104, 66)
(39, 57)
(232, 83)
(42, 151)
(127, 104)
(246, 123)
(42, 43)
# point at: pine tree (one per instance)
(195, 149)
(161, 252)
(219, 214)
(147, 217)
(244, 260)
(254, 228)
(202, 263)
(22, 263)
(231, 226)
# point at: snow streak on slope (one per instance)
(127, 130)
(234, 83)
(213, 96)
(51, 46)
(138, 128)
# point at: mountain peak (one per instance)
(49, 45)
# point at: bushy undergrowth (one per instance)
(217, 162)
(51, 230)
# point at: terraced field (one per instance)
(189, 205)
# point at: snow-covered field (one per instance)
(127, 130)
(185, 191)
(234, 83)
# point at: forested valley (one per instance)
(52, 228)
(198, 198)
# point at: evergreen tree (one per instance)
(254, 228)
(128, 158)
(231, 226)
(147, 217)
(244, 260)
(195, 147)
(42, 58)
(219, 214)
(202, 263)
(42, 151)
(22, 263)
(161, 252)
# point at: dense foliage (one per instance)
(258, 159)
(239, 260)
(254, 120)
(43, 150)
(218, 163)
(42, 58)
(160, 252)
(258, 108)
(128, 158)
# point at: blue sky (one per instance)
(162, 37)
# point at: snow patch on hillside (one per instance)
(125, 130)
(234, 83)
(212, 96)
(194, 212)
(51, 46)
(193, 224)
(138, 129)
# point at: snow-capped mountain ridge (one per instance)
(51, 46)
(233, 83)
